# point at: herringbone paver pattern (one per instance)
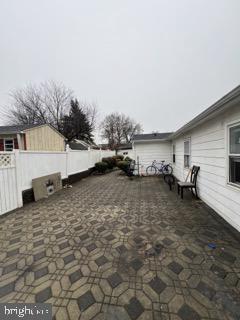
(114, 248)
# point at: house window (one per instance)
(8, 144)
(174, 153)
(187, 153)
(234, 154)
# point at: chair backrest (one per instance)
(194, 174)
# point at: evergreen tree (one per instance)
(75, 125)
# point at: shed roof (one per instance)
(151, 136)
(125, 146)
(24, 127)
(17, 128)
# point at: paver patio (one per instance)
(114, 248)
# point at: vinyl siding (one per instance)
(44, 138)
(149, 151)
(209, 151)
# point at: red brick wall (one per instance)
(15, 143)
(25, 142)
(1, 145)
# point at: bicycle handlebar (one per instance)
(155, 161)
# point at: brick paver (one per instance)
(115, 248)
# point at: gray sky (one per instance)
(161, 62)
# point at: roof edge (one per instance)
(166, 139)
(45, 124)
(219, 106)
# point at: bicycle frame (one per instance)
(161, 164)
(155, 165)
(159, 167)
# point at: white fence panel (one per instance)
(107, 153)
(8, 183)
(18, 169)
(37, 164)
(95, 156)
(78, 161)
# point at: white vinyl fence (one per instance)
(9, 192)
(18, 168)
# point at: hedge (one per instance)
(101, 167)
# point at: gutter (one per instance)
(152, 140)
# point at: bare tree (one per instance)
(130, 127)
(46, 103)
(25, 107)
(56, 100)
(49, 103)
(118, 128)
(91, 112)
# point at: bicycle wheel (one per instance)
(167, 169)
(151, 171)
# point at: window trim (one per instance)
(5, 144)
(229, 126)
(189, 165)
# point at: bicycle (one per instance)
(153, 169)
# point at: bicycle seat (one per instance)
(162, 161)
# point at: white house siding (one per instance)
(149, 151)
(209, 145)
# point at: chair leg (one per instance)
(181, 193)
(178, 188)
(196, 194)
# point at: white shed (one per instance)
(150, 147)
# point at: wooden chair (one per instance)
(192, 184)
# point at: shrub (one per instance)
(123, 165)
(128, 159)
(117, 158)
(121, 157)
(101, 167)
(109, 161)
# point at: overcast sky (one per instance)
(161, 62)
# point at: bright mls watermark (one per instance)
(26, 311)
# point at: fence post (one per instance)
(89, 156)
(18, 177)
(67, 159)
